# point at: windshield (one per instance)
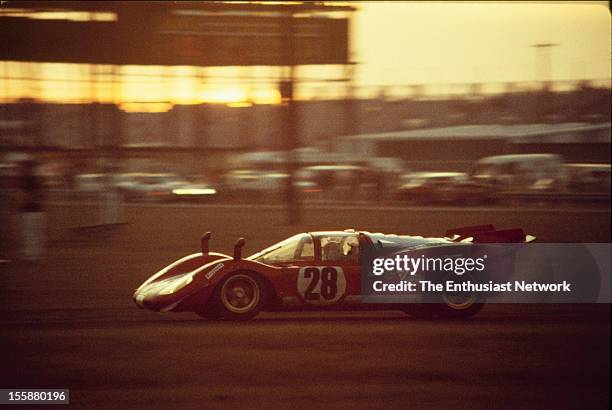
(395, 242)
(297, 247)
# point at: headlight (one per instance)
(177, 285)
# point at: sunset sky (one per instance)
(403, 42)
(394, 44)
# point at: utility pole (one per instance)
(351, 125)
(543, 61)
(290, 117)
(118, 138)
(543, 68)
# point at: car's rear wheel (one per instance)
(458, 305)
(454, 305)
(419, 310)
(452, 312)
(240, 296)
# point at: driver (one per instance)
(332, 251)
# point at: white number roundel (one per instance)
(321, 285)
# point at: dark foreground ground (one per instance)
(70, 323)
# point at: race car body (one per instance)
(316, 270)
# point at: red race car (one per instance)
(316, 270)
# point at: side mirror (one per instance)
(204, 243)
(238, 248)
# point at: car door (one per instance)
(334, 279)
(292, 256)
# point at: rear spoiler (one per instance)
(468, 231)
(488, 234)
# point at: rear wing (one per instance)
(488, 234)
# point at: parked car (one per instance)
(446, 187)
(140, 186)
(266, 184)
(592, 178)
(345, 182)
(89, 183)
(521, 172)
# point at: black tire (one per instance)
(449, 312)
(459, 305)
(209, 312)
(240, 296)
(420, 310)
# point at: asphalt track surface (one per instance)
(70, 323)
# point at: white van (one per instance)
(520, 172)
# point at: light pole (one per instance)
(543, 66)
(543, 62)
(290, 116)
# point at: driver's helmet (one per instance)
(332, 251)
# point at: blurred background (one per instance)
(128, 129)
(378, 104)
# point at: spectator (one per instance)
(111, 201)
(32, 212)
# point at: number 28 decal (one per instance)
(321, 285)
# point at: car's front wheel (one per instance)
(209, 312)
(240, 296)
